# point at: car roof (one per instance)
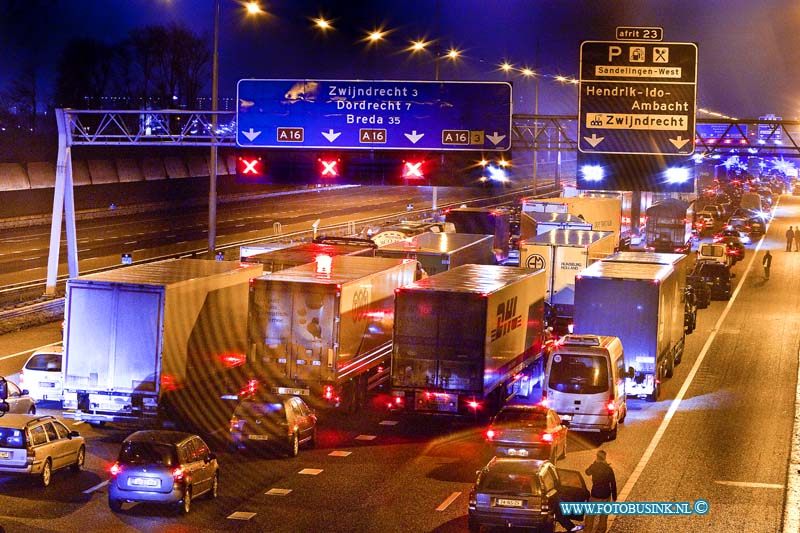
(54, 349)
(505, 464)
(159, 435)
(20, 421)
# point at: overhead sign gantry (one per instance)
(370, 114)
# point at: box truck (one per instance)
(562, 254)
(467, 339)
(604, 214)
(326, 333)
(437, 252)
(669, 226)
(494, 221)
(387, 234)
(139, 339)
(536, 223)
(309, 252)
(643, 305)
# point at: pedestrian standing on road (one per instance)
(767, 262)
(789, 239)
(797, 239)
(604, 489)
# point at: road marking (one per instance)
(366, 437)
(450, 499)
(750, 485)
(78, 423)
(241, 515)
(388, 422)
(651, 448)
(791, 509)
(130, 242)
(30, 350)
(337, 453)
(96, 487)
(310, 471)
(278, 492)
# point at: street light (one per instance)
(251, 8)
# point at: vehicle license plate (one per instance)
(509, 503)
(566, 417)
(517, 453)
(144, 482)
(49, 384)
(258, 437)
(4, 455)
(293, 391)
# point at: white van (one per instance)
(42, 376)
(717, 252)
(585, 383)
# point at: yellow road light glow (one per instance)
(253, 8)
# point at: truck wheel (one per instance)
(670, 368)
(656, 393)
(611, 435)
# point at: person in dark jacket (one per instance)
(767, 262)
(604, 489)
(789, 239)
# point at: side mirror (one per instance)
(25, 392)
(211, 457)
(631, 372)
(73, 434)
(3, 388)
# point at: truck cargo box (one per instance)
(437, 252)
(326, 333)
(464, 338)
(309, 252)
(485, 221)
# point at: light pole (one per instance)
(212, 181)
(252, 8)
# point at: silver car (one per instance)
(38, 445)
(19, 400)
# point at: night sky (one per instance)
(749, 52)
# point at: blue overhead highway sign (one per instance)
(385, 115)
(637, 98)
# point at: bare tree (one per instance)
(84, 73)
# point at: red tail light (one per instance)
(327, 392)
(490, 434)
(398, 400)
(473, 404)
(611, 406)
(547, 437)
(178, 474)
(115, 469)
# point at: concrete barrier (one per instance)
(128, 170)
(13, 177)
(175, 168)
(198, 167)
(42, 175)
(102, 171)
(153, 169)
(80, 173)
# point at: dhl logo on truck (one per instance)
(507, 319)
(361, 304)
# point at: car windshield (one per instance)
(508, 483)
(140, 453)
(45, 361)
(528, 416)
(579, 374)
(11, 438)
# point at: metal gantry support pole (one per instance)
(63, 200)
(212, 178)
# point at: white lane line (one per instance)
(31, 258)
(310, 471)
(130, 242)
(339, 453)
(651, 448)
(388, 422)
(450, 499)
(30, 350)
(366, 437)
(750, 485)
(278, 492)
(241, 515)
(78, 422)
(96, 487)
(791, 507)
